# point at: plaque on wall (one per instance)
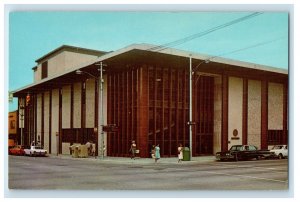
(235, 135)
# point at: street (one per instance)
(51, 173)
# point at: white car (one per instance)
(281, 151)
(35, 151)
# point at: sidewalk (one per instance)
(138, 160)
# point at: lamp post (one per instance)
(100, 105)
(21, 113)
(191, 110)
(191, 123)
(101, 122)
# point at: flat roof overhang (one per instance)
(136, 55)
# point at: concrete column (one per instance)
(143, 108)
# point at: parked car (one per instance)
(281, 151)
(17, 150)
(35, 151)
(244, 152)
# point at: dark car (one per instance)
(243, 152)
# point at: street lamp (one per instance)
(21, 113)
(191, 123)
(191, 110)
(101, 122)
(100, 109)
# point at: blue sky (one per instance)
(34, 34)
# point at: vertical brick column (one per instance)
(42, 121)
(50, 120)
(264, 114)
(245, 111)
(60, 121)
(143, 108)
(224, 138)
(285, 113)
(35, 117)
(194, 109)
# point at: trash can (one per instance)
(186, 154)
(74, 149)
(82, 151)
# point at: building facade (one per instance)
(144, 96)
(13, 133)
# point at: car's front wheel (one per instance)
(280, 156)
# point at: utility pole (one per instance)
(100, 131)
(191, 110)
(101, 112)
(21, 113)
(101, 116)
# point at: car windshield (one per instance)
(38, 147)
(236, 148)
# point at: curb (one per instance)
(138, 160)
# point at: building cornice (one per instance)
(71, 49)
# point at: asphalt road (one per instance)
(48, 173)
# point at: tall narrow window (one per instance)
(44, 69)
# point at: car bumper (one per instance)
(224, 158)
(41, 154)
(270, 156)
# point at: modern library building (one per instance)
(166, 97)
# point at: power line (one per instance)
(239, 50)
(253, 46)
(189, 38)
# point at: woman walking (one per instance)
(133, 149)
(157, 153)
(180, 153)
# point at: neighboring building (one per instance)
(146, 95)
(13, 137)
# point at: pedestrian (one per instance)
(180, 153)
(88, 146)
(153, 152)
(93, 149)
(157, 153)
(132, 149)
